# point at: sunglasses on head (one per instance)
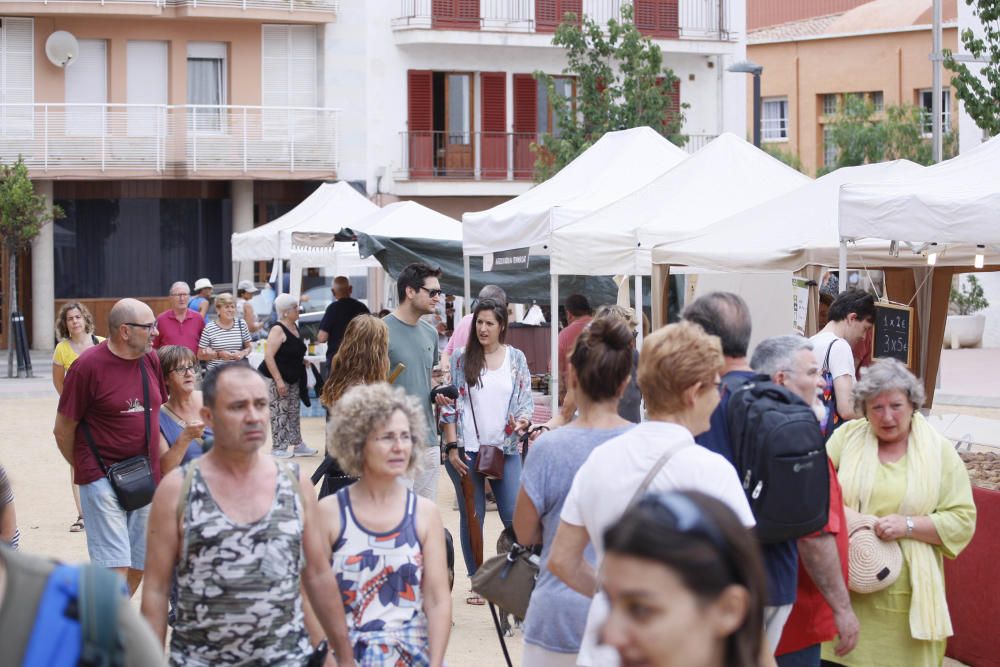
(679, 513)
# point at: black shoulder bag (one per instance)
(131, 479)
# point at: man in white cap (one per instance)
(244, 309)
(179, 325)
(200, 298)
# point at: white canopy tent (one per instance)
(726, 176)
(615, 166)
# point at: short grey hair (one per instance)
(777, 353)
(285, 302)
(493, 293)
(888, 375)
(614, 311)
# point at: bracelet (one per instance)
(448, 446)
(909, 526)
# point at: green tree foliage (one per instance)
(788, 157)
(863, 136)
(969, 298)
(980, 93)
(621, 82)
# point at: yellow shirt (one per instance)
(65, 355)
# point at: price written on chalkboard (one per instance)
(893, 335)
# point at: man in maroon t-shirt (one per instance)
(180, 325)
(578, 315)
(105, 390)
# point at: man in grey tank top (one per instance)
(239, 530)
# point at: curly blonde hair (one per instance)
(362, 358)
(360, 411)
(88, 320)
(674, 358)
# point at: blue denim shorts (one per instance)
(115, 538)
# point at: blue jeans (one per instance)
(504, 490)
(807, 657)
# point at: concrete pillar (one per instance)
(43, 280)
(242, 194)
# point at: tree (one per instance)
(863, 137)
(788, 157)
(621, 82)
(980, 93)
(23, 212)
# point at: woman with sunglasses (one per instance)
(182, 432)
(679, 377)
(493, 409)
(685, 583)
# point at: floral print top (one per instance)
(521, 404)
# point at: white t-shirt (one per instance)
(606, 482)
(841, 356)
(491, 401)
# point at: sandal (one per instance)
(475, 600)
(77, 526)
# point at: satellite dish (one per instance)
(61, 48)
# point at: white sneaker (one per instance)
(281, 454)
(302, 449)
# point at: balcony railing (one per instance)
(186, 140)
(469, 156)
(667, 19)
(695, 142)
(246, 5)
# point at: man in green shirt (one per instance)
(414, 343)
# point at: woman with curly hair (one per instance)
(387, 543)
(75, 328)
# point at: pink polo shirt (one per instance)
(171, 331)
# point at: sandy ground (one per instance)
(45, 510)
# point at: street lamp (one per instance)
(748, 67)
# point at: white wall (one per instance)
(365, 70)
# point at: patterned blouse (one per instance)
(521, 404)
(379, 575)
(239, 601)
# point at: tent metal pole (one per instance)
(467, 265)
(554, 342)
(842, 266)
(638, 310)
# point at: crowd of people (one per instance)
(684, 534)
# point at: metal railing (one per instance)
(281, 5)
(686, 19)
(469, 156)
(169, 139)
(696, 142)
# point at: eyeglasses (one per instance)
(392, 438)
(148, 327)
(184, 294)
(432, 293)
(185, 370)
(679, 513)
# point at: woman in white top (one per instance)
(226, 339)
(493, 409)
(679, 377)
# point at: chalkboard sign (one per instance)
(893, 335)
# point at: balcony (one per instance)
(64, 141)
(467, 156)
(306, 11)
(660, 19)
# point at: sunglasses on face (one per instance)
(433, 293)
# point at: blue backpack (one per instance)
(77, 620)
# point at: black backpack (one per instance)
(780, 457)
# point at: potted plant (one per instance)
(965, 327)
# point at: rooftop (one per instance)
(874, 16)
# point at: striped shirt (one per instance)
(233, 339)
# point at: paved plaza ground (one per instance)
(40, 477)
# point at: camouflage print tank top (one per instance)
(238, 584)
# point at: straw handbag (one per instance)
(873, 564)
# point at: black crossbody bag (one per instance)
(131, 479)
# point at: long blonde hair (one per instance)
(362, 358)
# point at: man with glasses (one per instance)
(179, 325)
(414, 343)
(113, 398)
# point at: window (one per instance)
(440, 124)
(829, 104)
(206, 85)
(566, 87)
(774, 119)
(926, 102)
(289, 78)
(829, 148)
(146, 83)
(877, 99)
(17, 76)
(86, 89)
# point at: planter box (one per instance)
(964, 331)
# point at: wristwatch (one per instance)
(448, 446)
(909, 526)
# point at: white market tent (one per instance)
(615, 166)
(726, 176)
(331, 207)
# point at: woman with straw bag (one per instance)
(913, 488)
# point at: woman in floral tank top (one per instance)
(387, 544)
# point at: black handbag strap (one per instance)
(472, 409)
(496, 624)
(89, 437)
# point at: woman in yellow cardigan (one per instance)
(894, 465)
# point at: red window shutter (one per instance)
(549, 13)
(673, 105)
(493, 87)
(420, 114)
(455, 14)
(525, 124)
(657, 18)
